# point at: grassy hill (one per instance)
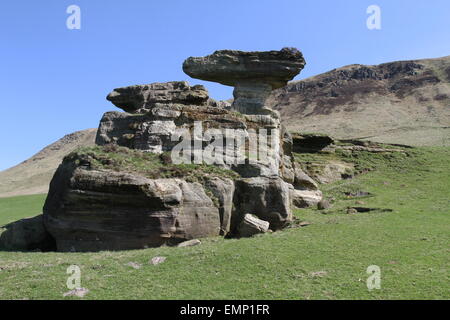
(33, 175)
(325, 260)
(15, 208)
(406, 102)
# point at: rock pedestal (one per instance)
(250, 97)
(252, 74)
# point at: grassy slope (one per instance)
(410, 245)
(14, 208)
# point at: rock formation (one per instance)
(100, 210)
(252, 74)
(26, 235)
(131, 192)
(143, 98)
(251, 225)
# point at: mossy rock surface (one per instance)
(149, 165)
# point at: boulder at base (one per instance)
(251, 225)
(26, 235)
(305, 198)
(266, 198)
(91, 210)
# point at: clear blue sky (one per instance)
(53, 80)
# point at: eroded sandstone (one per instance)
(141, 98)
(91, 210)
(112, 199)
(252, 74)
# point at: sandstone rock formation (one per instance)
(267, 198)
(210, 166)
(250, 226)
(90, 210)
(326, 168)
(303, 181)
(189, 243)
(26, 235)
(305, 198)
(252, 74)
(142, 98)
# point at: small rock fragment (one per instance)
(134, 265)
(305, 198)
(319, 274)
(80, 292)
(189, 243)
(358, 194)
(157, 260)
(323, 204)
(251, 225)
(303, 181)
(304, 223)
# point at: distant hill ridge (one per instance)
(33, 175)
(404, 102)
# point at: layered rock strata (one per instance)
(96, 202)
(252, 74)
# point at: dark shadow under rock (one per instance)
(358, 194)
(365, 209)
(26, 235)
(310, 143)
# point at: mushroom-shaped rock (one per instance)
(230, 67)
(141, 98)
(253, 74)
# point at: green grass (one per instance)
(15, 208)
(153, 166)
(410, 245)
(363, 161)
